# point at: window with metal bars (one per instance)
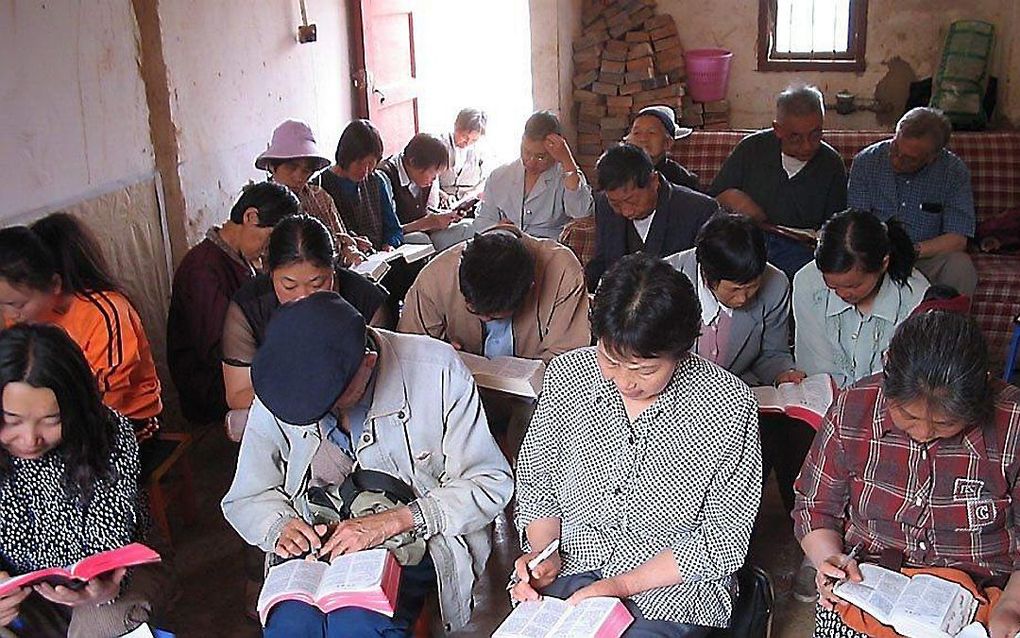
(812, 35)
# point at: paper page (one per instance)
(374, 266)
(533, 619)
(877, 593)
(292, 576)
(930, 603)
(412, 252)
(586, 618)
(360, 571)
(767, 396)
(973, 630)
(509, 374)
(813, 393)
(141, 631)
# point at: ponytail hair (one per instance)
(76, 254)
(25, 261)
(859, 238)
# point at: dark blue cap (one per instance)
(312, 349)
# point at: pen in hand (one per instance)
(843, 563)
(550, 549)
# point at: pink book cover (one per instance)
(617, 622)
(86, 569)
(301, 580)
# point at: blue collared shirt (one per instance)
(499, 338)
(357, 414)
(934, 201)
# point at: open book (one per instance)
(808, 400)
(924, 606)
(76, 575)
(377, 264)
(807, 236)
(367, 579)
(591, 618)
(512, 375)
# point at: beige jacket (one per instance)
(553, 318)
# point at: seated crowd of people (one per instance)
(644, 455)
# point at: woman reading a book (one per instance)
(334, 398)
(849, 300)
(301, 260)
(68, 489)
(55, 272)
(918, 466)
(643, 460)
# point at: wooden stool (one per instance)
(174, 445)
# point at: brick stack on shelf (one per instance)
(626, 58)
(710, 116)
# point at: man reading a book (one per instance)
(333, 398)
(643, 460)
(517, 296)
(786, 176)
(918, 465)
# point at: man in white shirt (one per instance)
(465, 176)
(540, 192)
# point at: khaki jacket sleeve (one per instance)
(567, 325)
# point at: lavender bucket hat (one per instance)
(292, 139)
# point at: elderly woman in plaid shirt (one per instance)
(920, 463)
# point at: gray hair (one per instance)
(470, 119)
(924, 121)
(799, 100)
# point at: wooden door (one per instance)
(384, 68)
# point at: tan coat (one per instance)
(553, 318)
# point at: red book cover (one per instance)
(86, 569)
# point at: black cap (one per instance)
(312, 349)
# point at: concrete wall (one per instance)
(554, 23)
(75, 121)
(904, 42)
(236, 71)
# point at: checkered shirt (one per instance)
(948, 503)
(934, 201)
(685, 475)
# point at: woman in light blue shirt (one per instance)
(849, 300)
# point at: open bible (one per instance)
(808, 400)
(922, 606)
(591, 618)
(367, 579)
(76, 575)
(513, 375)
(377, 264)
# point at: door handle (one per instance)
(382, 96)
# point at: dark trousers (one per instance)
(787, 254)
(293, 619)
(784, 444)
(564, 586)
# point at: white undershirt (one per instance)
(792, 165)
(642, 226)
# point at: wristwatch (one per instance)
(421, 528)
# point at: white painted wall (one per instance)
(72, 104)
(236, 71)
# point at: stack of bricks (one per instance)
(626, 58)
(708, 116)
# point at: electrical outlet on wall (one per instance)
(306, 33)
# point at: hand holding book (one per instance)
(835, 569)
(101, 589)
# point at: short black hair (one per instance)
(730, 247)
(300, 238)
(426, 151)
(496, 273)
(272, 201)
(359, 140)
(859, 238)
(541, 124)
(941, 358)
(623, 165)
(646, 308)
